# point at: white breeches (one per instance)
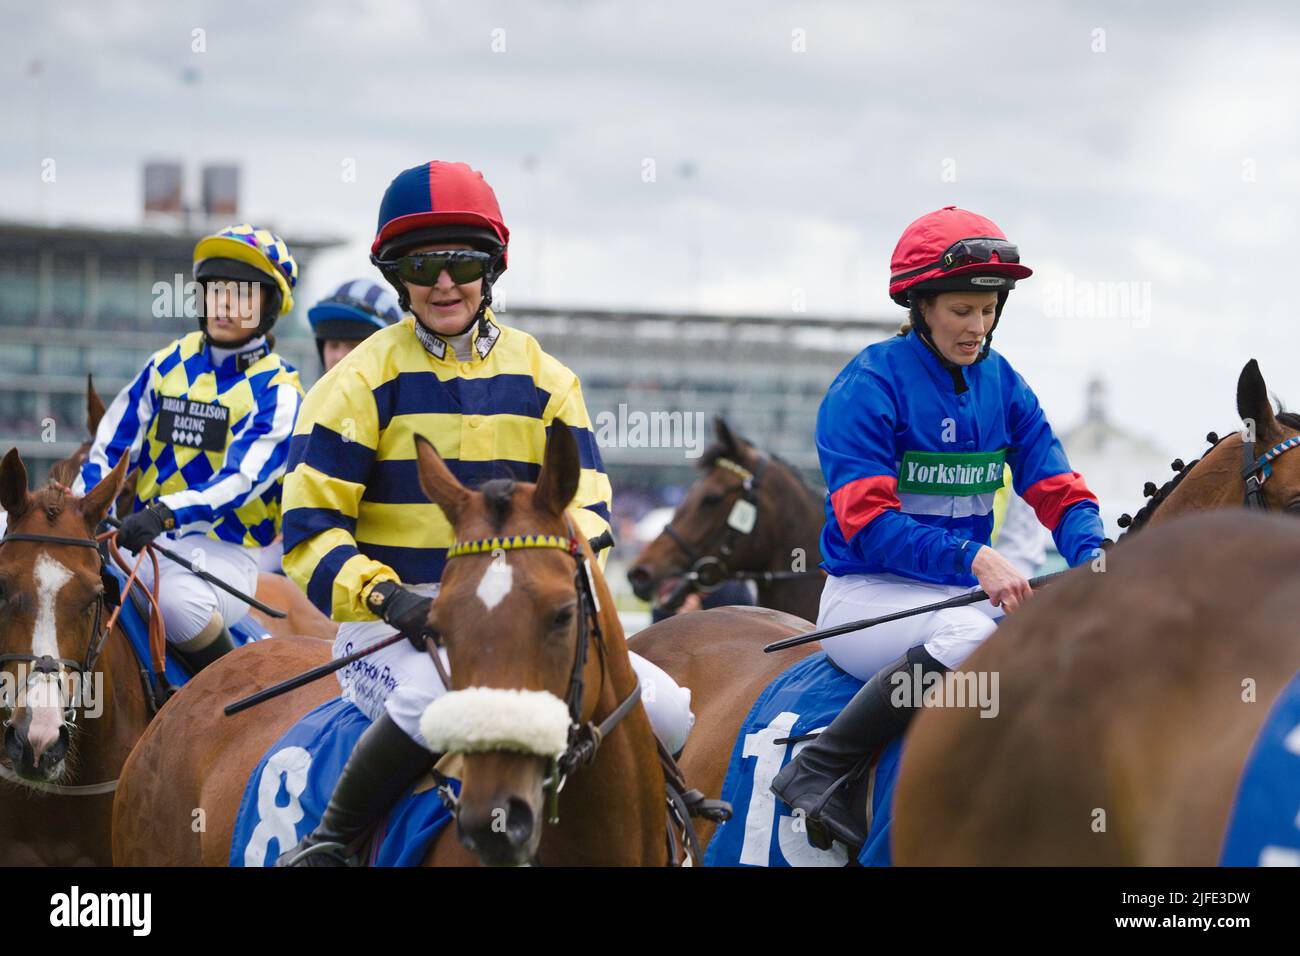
(403, 681)
(187, 601)
(948, 635)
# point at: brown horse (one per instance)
(1128, 701)
(73, 713)
(611, 812)
(274, 590)
(1110, 683)
(781, 550)
(1215, 480)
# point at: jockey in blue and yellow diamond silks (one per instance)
(360, 537)
(207, 425)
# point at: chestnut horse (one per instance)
(75, 706)
(780, 551)
(1129, 699)
(532, 637)
(274, 590)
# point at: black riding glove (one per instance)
(402, 608)
(140, 528)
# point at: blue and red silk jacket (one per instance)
(913, 452)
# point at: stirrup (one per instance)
(823, 831)
(329, 849)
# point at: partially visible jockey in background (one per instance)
(340, 322)
(361, 538)
(207, 424)
(348, 316)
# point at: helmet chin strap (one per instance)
(923, 330)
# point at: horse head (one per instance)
(530, 658)
(1222, 477)
(51, 609)
(719, 525)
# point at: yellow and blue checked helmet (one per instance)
(260, 248)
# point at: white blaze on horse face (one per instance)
(44, 693)
(497, 580)
(50, 578)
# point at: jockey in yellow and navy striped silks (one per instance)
(354, 514)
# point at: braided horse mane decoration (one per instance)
(1250, 391)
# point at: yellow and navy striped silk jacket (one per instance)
(354, 512)
(209, 440)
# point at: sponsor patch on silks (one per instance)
(951, 472)
(1264, 826)
(292, 784)
(191, 424)
(244, 631)
(762, 832)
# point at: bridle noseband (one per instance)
(710, 570)
(584, 737)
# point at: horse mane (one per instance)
(1157, 496)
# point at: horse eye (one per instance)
(1293, 507)
(563, 618)
(710, 501)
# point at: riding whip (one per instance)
(210, 578)
(961, 600)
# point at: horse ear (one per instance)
(440, 485)
(13, 485)
(1252, 400)
(726, 438)
(94, 406)
(558, 482)
(95, 503)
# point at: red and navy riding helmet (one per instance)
(951, 250)
(439, 201)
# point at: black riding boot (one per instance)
(814, 781)
(195, 661)
(384, 764)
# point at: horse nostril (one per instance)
(519, 822)
(57, 750)
(641, 581)
(14, 746)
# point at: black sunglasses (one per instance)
(423, 268)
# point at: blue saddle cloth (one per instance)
(762, 832)
(291, 786)
(1264, 825)
(244, 631)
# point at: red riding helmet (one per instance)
(953, 249)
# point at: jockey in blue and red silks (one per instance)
(913, 437)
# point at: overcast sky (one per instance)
(1146, 152)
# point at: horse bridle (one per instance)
(585, 737)
(710, 570)
(1255, 471)
(47, 664)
